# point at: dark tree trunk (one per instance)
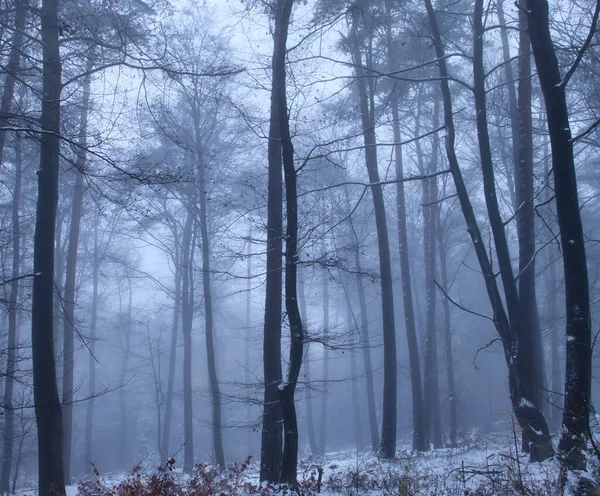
(48, 411)
(71, 272)
(208, 304)
(433, 418)
(388, 426)
(272, 436)
(529, 418)
(579, 334)
(11, 359)
(289, 466)
(187, 316)
(525, 391)
(530, 339)
(12, 69)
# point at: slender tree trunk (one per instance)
(272, 436)
(48, 411)
(126, 440)
(187, 315)
(69, 288)
(452, 399)
(431, 377)
(310, 427)
(356, 403)
(526, 380)
(13, 330)
(420, 441)
(579, 333)
(512, 103)
(388, 427)
(89, 416)
(208, 304)
(12, 67)
(527, 416)
(323, 419)
(365, 340)
(247, 348)
(289, 466)
(166, 434)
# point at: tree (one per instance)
(577, 300)
(48, 411)
(367, 112)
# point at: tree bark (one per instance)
(388, 427)
(48, 411)
(272, 436)
(578, 333)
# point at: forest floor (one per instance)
(483, 464)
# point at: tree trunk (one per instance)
(388, 426)
(452, 399)
(525, 388)
(71, 272)
(512, 103)
(431, 381)
(13, 330)
(289, 466)
(364, 333)
(126, 440)
(248, 339)
(166, 434)
(527, 416)
(12, 68)
(89, 416)
(323, 419)
(208, 303)
(579, 334)
(420, 442)
(272, 436)
(187, 315)
(310, 422)
(48, 411)
(352, 327)
(531, 339)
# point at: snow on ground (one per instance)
(481, 465)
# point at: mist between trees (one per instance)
(283, 229)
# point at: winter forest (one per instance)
(277, 247)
